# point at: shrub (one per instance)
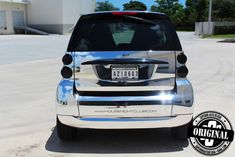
(224, 30)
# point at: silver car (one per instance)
(124, 70)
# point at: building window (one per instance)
(18, 18)
(3, 19)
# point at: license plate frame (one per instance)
(124, 72)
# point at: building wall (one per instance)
(71, 13)
(45, 15)
(57, 16)
(73, 9)
(201, 28)
(52, 16)
(8, 8)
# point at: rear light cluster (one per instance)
(181, 58)
(183, 70)
(67, 59)
(124, 13)
(66, 71)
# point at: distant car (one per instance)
(124, 70)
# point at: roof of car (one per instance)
(133, 11)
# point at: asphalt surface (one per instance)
(21, 48)
(29, 73)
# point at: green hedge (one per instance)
(224, 30)
(185, 29)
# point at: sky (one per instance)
(119, 3)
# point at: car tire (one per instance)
(181, 132)
(65, 133)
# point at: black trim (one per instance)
(125, 61)
(121, 103)
(121, 93)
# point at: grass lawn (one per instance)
(222, 36)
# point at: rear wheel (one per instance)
(181, 132)
(65, 132)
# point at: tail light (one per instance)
(67, 59)
(182, 71)
(181, 58)
(66, 72)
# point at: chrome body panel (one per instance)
(89, 100)
(66, 103)
(90, 72)
(126, 123)
(172, 108)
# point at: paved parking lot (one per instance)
(29, 72)
(21, 48)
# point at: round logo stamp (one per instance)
(211, 133)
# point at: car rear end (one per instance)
(124, 70)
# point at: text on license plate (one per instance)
(124, 72)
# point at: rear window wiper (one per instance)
(138, 20)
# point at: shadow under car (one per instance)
(117, 141)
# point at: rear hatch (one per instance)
(123, 61)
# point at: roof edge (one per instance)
(143, 12)
(15, 2)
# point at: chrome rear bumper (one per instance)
(173, 108)
(125, 123)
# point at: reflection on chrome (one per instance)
(165, 96)
(183, 96)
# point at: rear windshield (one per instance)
(120, 34)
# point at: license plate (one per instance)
(124, 72)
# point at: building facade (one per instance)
(52, 16)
